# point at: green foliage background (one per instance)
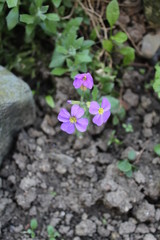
(56, 37)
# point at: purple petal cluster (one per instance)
(83, 81)
(73, 120)
(102, 113)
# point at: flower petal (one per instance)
(63, 115)
(68, 127)
(105, 104)
(94, 107)
(82, 124)
(88, 83)
(78, 81)
(106, 115)
(77, 111)
(98, 119)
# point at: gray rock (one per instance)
(145, 212)
(69, 216)
(24, 200)
(127, 227)
(61, 158)
(17, 108)
(149, 237)
(61, 169)
(119, 191)
(131, 98)
(139, 177)
(85, 228)
(3, 204)
(142, 228)
(21, 160)
(156, 160)
(55, 221)
(147, 132)
(145, 102)
(47, 126)
(64, 229)
(158, 215)
(28, 182)
(148, 119)
(17, 229)
(103, 232)
(150, 44)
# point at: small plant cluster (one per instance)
(115, 43)
(126, 166)
(50, 36)
(156, 82)
(52, 233)
(157, 149)
(71, 51)
(100, 109)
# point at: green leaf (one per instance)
(157, 149)
(124, 166)
(44, 9)
(61, 49)
(87, 44)
(12, 18)
(74, 23)
(73, 74)
(115, 120)
(69, 63)
(50, 101)
(120, 37)
(83, 57)
(26, 18)
(52, 17)
(50, 230)
(12, 3)
(48, 26)
(95, 93)
(29, 31)
(57, 60)
(56, 3)
(78, 43)
(132, 155)
(70, 38)
(42, 16)
(59, 71)
(114, 104)
(34, 224)
(1, 7)
(129, 55)
(93, 34)
(156, 83)
(29, 231)
(38, 3)
(129, 173)
(107, 45)
(112, 12)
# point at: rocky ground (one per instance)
(74, 185)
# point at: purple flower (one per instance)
(73, 120)
(83, 81)
(101, 113)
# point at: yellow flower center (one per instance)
(84, 78)
(73, 119)
(100, 111)
(83, 88)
